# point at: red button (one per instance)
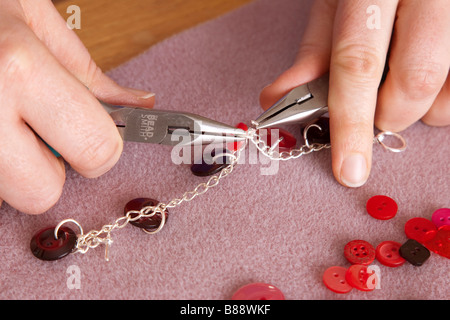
(334, 279)
(258, 291)
(148, 223)
(382, 207)
(359, 252)
(387, 253)
(361, 277)
(420, 229)
(440, 244)
(233, 146)
(441, 217)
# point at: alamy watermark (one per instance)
(74, 20)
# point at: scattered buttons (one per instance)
(387, 253)
(414, 252)
(44, 246)
(440, 244)
(441, 217)
(233, 146)
(148, 223)
(258, 291)
(361, 277)
(334, 279)
(382, 207)
(359, 252)
(420, 229)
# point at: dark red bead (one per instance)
(359, 252)
(44, 246)
(208, 166)
(148, 223)
(322, 135)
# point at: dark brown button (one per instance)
(413, 252)
(148, 223)
(210, 166)
(44, 246)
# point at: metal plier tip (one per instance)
(301, 105)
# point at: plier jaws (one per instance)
(170, 127)
(301, 105)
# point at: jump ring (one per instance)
(382, 135)
(65, 221)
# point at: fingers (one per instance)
(313, 58)
(357, 63)
(419, 64)
(439, 114)
(67, 48)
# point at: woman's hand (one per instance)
(45, 73)
(343, 38)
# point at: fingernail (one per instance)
(354, 171)
(147, 96)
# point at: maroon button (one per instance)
(382, 207)
(209, 166)
(258, 291)
(361, 277)
(334, 279)
(322, 135)
(440, 244)
(441, 217)
(148, 223)
(359, 252)
(387, 253)
(44, 246)
(420, 229)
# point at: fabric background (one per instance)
(284, 229)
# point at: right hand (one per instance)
(45, 71)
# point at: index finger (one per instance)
(357, 62)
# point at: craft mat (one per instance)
(284, 229)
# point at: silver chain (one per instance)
(94, 238)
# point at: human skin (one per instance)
(337, 40)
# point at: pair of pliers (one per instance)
(301, 105)
(170, 127)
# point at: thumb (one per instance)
(68, 49)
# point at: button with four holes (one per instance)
(441, 217)
(258, 291)
(420, 229)
(361, 277)
(414, 252)
(359, 252)
(387, 253)
(382, 207)
(334, 279)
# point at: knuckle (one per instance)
(96, 154)
(15, 60)
(423, 82)
(359, 61)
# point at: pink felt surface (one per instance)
(285, 229)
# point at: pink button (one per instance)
(441, 217)
(258, 291)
